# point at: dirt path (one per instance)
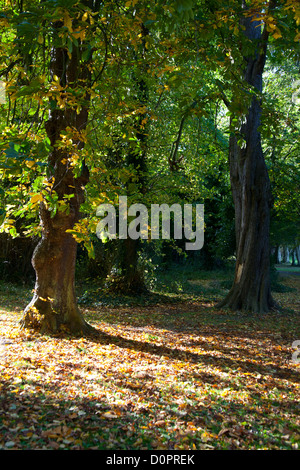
(288, 273)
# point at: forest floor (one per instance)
(170, 371)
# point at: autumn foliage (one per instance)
(179, 101)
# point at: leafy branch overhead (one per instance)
(111, 98)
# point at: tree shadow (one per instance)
(44, 421)
(177, 354)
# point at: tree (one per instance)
(250, 185)
(54, 304)
(281, 149)
(145, 84)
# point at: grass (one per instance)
(170, 371)
(288, 268)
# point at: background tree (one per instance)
(248, 172)
(281, 148)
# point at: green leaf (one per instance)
(87, 53)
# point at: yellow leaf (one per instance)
(297, 37)
(68, 21)
(205, 437)
(79, 34)
(36, 198)
(277, 34)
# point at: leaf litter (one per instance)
(183, 376)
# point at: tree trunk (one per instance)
(252, 196)
(54, 307)
(276, 255)
(279, 255)
(130, 279)
(297, 252)
(286, 254)
(132, 275)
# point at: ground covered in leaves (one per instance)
(168, 375)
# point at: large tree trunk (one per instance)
(54, 306)
(252, 195)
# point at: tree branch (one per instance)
(9, 67)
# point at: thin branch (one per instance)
(9, 67)
(105, 55)
(172, 158)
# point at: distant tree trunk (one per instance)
(276, 255)
(251, 194)
(297, 251)
(286, 254)
(131, 272)
(133, 276)
(279, 255)
(54, 306)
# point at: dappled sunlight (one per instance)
(179, 376)
(149, 226)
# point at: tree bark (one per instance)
(297, 252)
(53, 307)
(251, 194)
(131, 280)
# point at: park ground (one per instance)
(169, 371)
